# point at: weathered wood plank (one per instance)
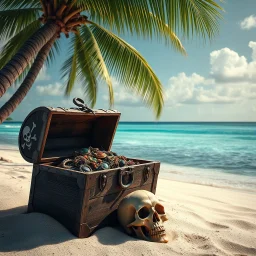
(100, 207)
(113, 185)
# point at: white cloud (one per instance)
(233, 79)
(122, 95)
(196, 89)
(56, 89)
(254, 108)
(183, 88)
(248, 23)
(228, 66)
(252, 45)
(43, 75)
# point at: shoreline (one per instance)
(163, 174)
(253, 191)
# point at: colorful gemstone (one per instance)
(121, 163)
(123, 157)
(92, 159)
(99, 168)
(130, 162)
(94, 166)
(84, 150)
(79, 160)
(105, 166)
(85, 168)
(100, 155)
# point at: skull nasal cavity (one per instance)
(160, 209)
(155, 217)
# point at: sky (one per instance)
(215, 82)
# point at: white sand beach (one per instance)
(203, 220)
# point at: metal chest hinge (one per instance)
(102, 181)
(146, 173)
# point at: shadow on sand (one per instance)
(21, 232)
(27, 231)
(16, 210)
(117, 236)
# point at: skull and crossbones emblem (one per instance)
(27, 136)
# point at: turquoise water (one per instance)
(217, 154)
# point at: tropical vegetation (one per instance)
(30, 32)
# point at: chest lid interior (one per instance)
(66, 131)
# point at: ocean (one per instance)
(215, 154)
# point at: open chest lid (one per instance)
(48, 134)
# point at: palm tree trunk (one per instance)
(19, 95)
(23, 57)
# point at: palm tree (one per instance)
(31, 29)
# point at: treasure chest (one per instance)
(81, 201)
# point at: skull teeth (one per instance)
(157, 231)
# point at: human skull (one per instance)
(142, 214)
(26, 134)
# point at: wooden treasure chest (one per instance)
(81, 201)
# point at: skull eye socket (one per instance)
(143, 212)
(159, 208)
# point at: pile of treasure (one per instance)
(92, 159)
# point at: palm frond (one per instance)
(17, 4)
(69, 67)
(92, 49)
(87, 65)
(200, 17)
(171, 37)
(55, 50)
(13, 21)
(78, 66)
(16, 42)
(188, 17)
(130, 68)
(86, 73)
